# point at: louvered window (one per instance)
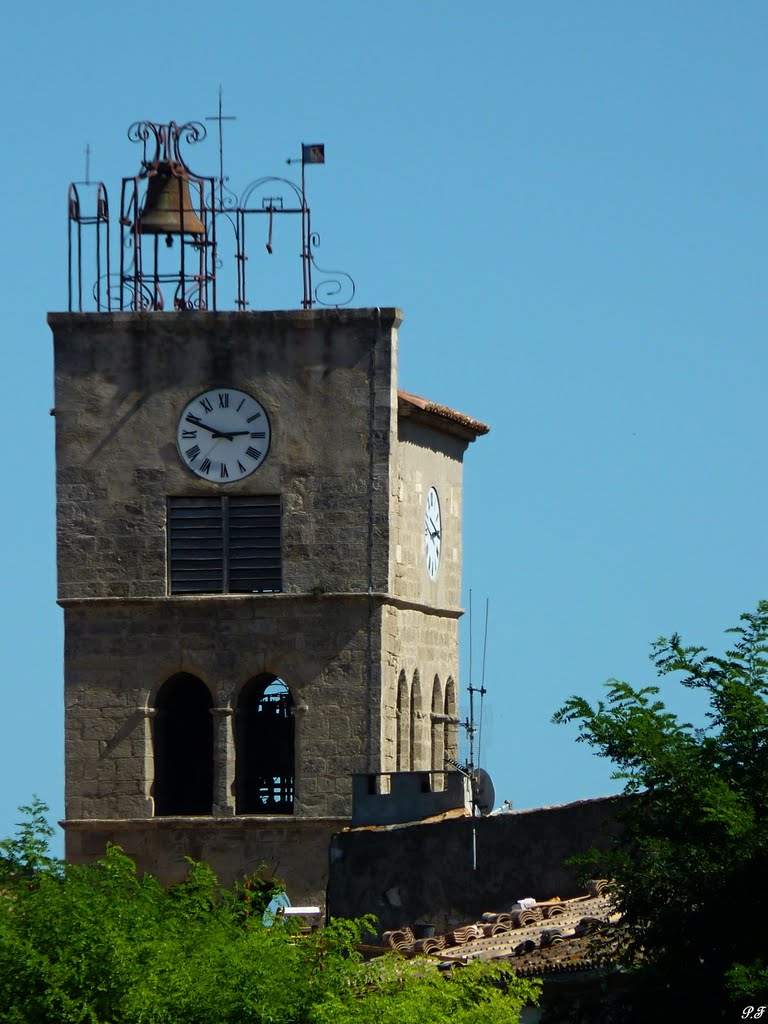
(222, 545)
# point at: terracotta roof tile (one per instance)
(551, 936)
(445, 418)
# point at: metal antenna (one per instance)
(470, 726)
(482, 682)
(469, 723)
(221, 118)
(87, 164)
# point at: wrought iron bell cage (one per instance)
(169, 218)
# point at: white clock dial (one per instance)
(433, 533)
(223, 435)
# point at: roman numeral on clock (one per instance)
(188, 435)
(255, 416)
(206, 404)
(253, 452)
(258, 433)
(224, 400)
(224, 470)
(193, 452)
(205, 466)
(241, 467)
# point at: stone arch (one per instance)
(182, 742)
(419, 756)
(451, 726)
(437, 731)
(265, 747)
(403, 739)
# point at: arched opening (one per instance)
(182, 739)
(451, 726)
(417, 723)
(437, 734)
(265, 747)
(403, 756)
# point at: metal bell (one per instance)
(168, 208)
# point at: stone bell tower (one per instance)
(259, 550)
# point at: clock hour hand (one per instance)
(229, 434)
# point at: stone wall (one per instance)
(118, 653)
(426, 458)
(328, 382)
(296, 852)
(407, 796)
(357, 610)
(419, 673)
(423, 872)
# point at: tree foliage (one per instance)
(693, 879)
(100, 944)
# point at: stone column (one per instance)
(148, 714)
(223, 763)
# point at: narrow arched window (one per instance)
(265, 754)
(403, 757)
(417, 725)
(182, 733)
(437, 733)
(451, 734)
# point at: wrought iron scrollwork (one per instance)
(189, 298)
(166, 139)
(334, 282)
(144, 298)
(106, 291)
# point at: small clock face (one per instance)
(223, 435)
(433, 533)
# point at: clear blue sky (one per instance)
(568, 200)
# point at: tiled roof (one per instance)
(546, 937)
(440, 415)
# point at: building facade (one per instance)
(259, 562)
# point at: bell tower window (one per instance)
(183, 747)
(265, 747)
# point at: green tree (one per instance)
(692, 869)
(28, 851)
(100, 944)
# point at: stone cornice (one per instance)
(202, 822)
(387, 316)
(380, 597)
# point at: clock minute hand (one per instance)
(213, 431)
(199, 423)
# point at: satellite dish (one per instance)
(483, 792)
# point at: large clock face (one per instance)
(223, 435)
(433, 533)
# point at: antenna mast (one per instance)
(472, 771)
(469, 723)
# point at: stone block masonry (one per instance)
(355, 611)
